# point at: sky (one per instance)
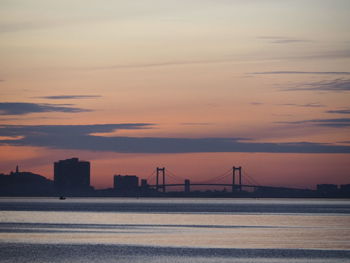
(196, 86)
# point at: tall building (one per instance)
(126, 183)
(72, 176)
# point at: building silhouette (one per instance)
(126, 183)
(72, 176)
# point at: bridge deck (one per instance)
(230, 185)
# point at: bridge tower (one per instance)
(162, 171)
(234, 169)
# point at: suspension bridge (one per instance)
(163, 179)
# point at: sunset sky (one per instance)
(197, 86)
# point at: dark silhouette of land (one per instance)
(72, 178)
(25, 184)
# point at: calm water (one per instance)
(174, 230)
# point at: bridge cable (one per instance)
(151, 175)
(213, 180)
(219, 177)
(173, 174)
(252, 179)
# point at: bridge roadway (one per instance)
(230, 185)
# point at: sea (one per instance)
(169, 230)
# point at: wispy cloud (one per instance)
(335, 85)
(308, 105)
(67, 97)
(21, 108)
(321, 55)
(79, 137)
(347, 111)
(256, 103)
(283, 39)
(301, 73)
(234, 58)
(196, 123)
(163, 64)
(334, 123)
(64, 130)
(28, 25)
(39, 23)
(22, 117)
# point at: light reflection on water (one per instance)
(193, 230)
(256, 230)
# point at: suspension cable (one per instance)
(221, 176)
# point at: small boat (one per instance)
(62, 198)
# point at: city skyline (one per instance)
(196, 86)
(72, 179)
(73, 176)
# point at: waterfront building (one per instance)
(72, 176)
